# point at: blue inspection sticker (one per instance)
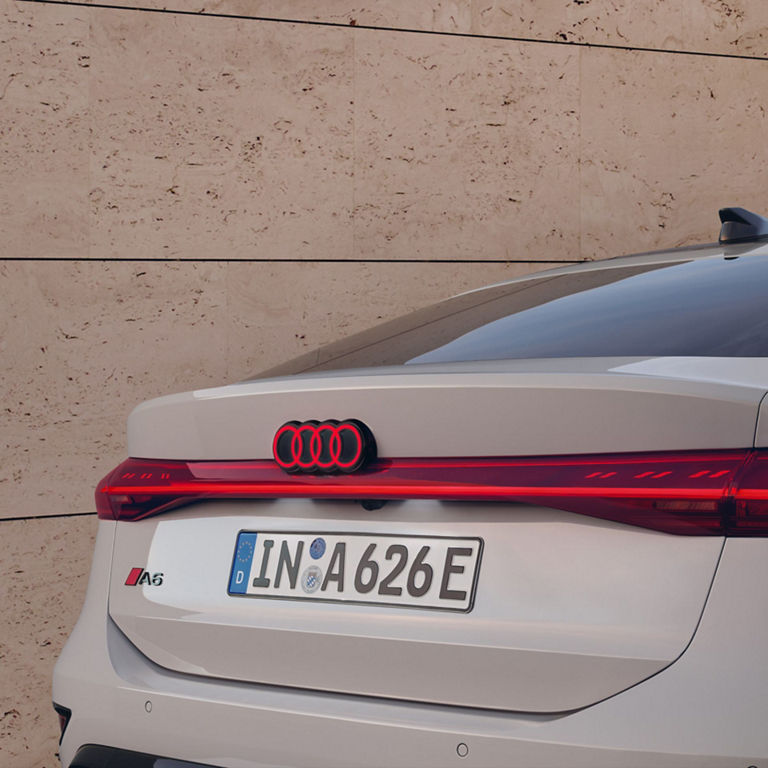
(317, 548)
(241, 567)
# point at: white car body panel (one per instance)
(572, 410)
(597, 609)
(761, 431)
(673, 720)
(587, 642)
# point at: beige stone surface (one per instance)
(165, 137)
(44, 65)
(90, 340)
(307, 142)
(465, 148)
(666, 142)
(374, 145)
(713, 26)
(44, 567)
(220, 139)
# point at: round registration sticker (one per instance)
(317, 548)
(311, 579)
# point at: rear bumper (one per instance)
(707, 709)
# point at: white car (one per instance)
(526, 526)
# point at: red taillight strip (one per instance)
(684, 492)
(445, 491)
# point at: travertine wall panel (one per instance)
(462, 146)
(161, 136)
(713, 26)
(44, 110)
(220, 139)
(43, 573)
(90, 340)
(203, 150)
(667, 141)
(228, 138)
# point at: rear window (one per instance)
(706, 307)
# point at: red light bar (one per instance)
(684, 492)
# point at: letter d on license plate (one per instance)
(418, 571)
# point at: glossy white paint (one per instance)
(589, 644)
(739, 371)
(761, 431)
(568, 609)
(673, 720)
(575, 406)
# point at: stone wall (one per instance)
(192, 191)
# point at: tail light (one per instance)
(697, 492)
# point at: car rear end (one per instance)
(539, 561)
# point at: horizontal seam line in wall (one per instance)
(45, 517)
(166, 260)
(308, 22)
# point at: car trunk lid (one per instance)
(566, 609)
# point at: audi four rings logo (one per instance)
(325, 447)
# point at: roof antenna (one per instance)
(742, 226)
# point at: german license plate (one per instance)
(418, 571)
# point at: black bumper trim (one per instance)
(94, 756)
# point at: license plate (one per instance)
(418, 571)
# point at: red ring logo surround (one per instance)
(324, 447)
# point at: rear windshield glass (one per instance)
(706, 307)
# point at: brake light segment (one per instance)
(683, 492)
(750, 511)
